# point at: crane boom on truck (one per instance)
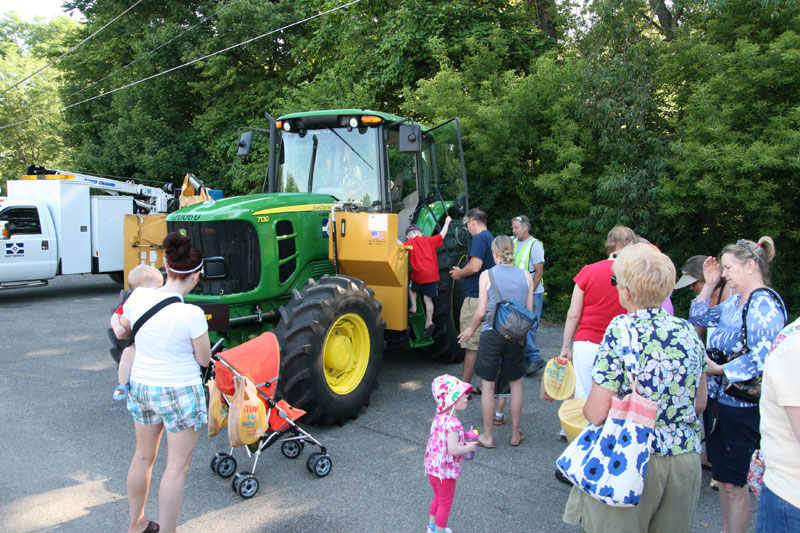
(51, 224)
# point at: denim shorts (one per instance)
(776, 515)
(178, 408)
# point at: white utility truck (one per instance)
(50, 224)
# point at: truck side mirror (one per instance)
(410, 139)
(214, 268)
(245, 141)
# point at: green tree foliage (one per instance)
(24, 49)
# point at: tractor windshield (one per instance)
(338, 161)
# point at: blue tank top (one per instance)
(511, 283)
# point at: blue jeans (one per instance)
(532, 353)
(776, 515)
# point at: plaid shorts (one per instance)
(178, 408)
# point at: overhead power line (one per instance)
(59, 58)
(193, 61)
(162, 45)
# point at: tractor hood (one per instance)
(254, 205)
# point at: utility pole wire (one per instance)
(59, 58)
(226, 6)
(182, 65)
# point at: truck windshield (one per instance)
(341, 162)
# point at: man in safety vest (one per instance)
(529, 254)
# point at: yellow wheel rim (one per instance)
(345, 354)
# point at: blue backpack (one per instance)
(511, 319)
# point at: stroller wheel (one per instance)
(248, 486)
(319, 464)
(214, 461)
(292, 448)
(226, 465)
(237, 480)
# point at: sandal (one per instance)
(152, 527)
(482, 445)
(521, 438)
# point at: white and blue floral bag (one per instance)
(609, 462)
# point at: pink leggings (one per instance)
(443, 491)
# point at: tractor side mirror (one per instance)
(214, 268)
(410, 139)
(245, 141)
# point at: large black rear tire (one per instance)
(446, 313)
(331, 339)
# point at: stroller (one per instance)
(259, 360)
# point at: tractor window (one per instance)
(444, 163)
(403, 178)
(342, 162)
(22, 220)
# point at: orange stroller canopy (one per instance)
(259, 359)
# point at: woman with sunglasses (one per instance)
(734, 436)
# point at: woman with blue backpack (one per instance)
(505, 302)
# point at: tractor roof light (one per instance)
(279, 124)
(371, 119)
(287, 126)
(353, 122)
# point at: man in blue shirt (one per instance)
(480, 259)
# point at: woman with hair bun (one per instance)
(495, 352)
(166, 388)
(733, 438)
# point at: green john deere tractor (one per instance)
(316, 259)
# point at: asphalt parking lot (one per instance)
(67, 445)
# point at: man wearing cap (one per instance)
(424, 270)
(480, 259)
(529, 255)
(693, 278)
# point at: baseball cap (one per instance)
(692, 271)
(412, 227)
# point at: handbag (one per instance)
(609, 462)
(749, 390)
(511, 319)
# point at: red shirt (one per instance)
(422, 256)
(600, 301)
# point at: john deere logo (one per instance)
(182, 231)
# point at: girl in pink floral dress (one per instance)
(446, 447)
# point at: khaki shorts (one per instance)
(669, 500)
(468, 310)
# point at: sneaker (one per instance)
(447, 530)
(562, 434)
(533, 367)
(499, 420)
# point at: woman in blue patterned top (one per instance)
(734, 437)
(671, 372)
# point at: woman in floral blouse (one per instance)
(732, 440)
(671, 372)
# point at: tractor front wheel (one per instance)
(331, 338)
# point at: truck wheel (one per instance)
(331, 338)
(117, 277)
(446, 313)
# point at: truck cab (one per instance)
(30, 250)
